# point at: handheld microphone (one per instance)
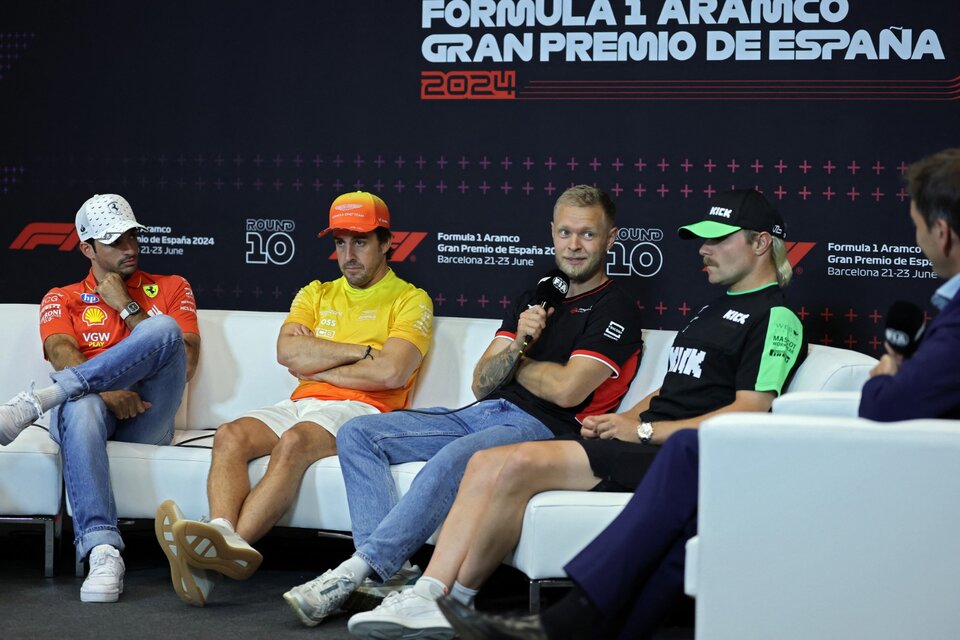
(551, 290)
(904, 327)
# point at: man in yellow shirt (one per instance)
(355, 346)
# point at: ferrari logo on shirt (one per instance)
(151, 290)
(94, 317)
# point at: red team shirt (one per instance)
(78, 310)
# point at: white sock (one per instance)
(463, 595)
(356, 568)
(50, 397)
(223, 523)
(429, 588)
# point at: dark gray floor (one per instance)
(33, 607)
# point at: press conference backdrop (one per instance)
(231, 126)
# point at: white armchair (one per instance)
(826, 527)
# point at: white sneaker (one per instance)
(370, 594)
(17, 414)
(403, 614)
(104, 582)
(192, 585)
(210, 546)
(315, 600)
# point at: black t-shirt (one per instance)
(603, 324)
(746, 341)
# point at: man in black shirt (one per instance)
(736, 354)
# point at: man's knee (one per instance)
(162, 325)
(303, 444)
(234, 439)
(482, 468)
(684, 442)
(520, 466)
(86, 416)
(357, 432)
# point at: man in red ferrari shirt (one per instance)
(123, 343)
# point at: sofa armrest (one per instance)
(818, 403)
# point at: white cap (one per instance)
(104, 218)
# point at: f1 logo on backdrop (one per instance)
(62, 235)
(269, 241)
(404, 242)
(796, 251)
(634, 253)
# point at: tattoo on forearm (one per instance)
(495, 370)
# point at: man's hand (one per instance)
(531, 324)
(113, 290)
(609, 426)
(298, 329)
(889, 364)
(124, 404)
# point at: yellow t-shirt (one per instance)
(392, 308)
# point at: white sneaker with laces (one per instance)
(104, 581)
(403, 614)
(370, 594)
(17, 414)
(315, 600)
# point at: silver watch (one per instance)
(131, 309)
(645, 432)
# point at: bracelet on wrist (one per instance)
(366, 354)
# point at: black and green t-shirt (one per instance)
(747, 341)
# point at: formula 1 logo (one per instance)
(796, 251)
(62, 235)
(403, 244)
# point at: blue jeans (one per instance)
(388, 529)
(151, 361)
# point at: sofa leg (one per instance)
(537, 585)
(534, 596)
(49, 527)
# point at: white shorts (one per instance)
(329, 414)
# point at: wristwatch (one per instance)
(645, 432)
(131, 309)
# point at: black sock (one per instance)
(573, 617)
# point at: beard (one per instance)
(583, 272)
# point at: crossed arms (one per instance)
(342, 363)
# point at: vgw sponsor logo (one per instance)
(269, 241)
(403, 244)
(634, 253)
(62, 235)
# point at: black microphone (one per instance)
(551, 290)
(905, 324)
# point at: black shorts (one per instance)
(619, 465)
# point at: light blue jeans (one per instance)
(388, 529)
(151, 361)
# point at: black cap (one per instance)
(731, 211)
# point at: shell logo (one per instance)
(94, 317)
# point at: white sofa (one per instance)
(238, 371)
(827, 528)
